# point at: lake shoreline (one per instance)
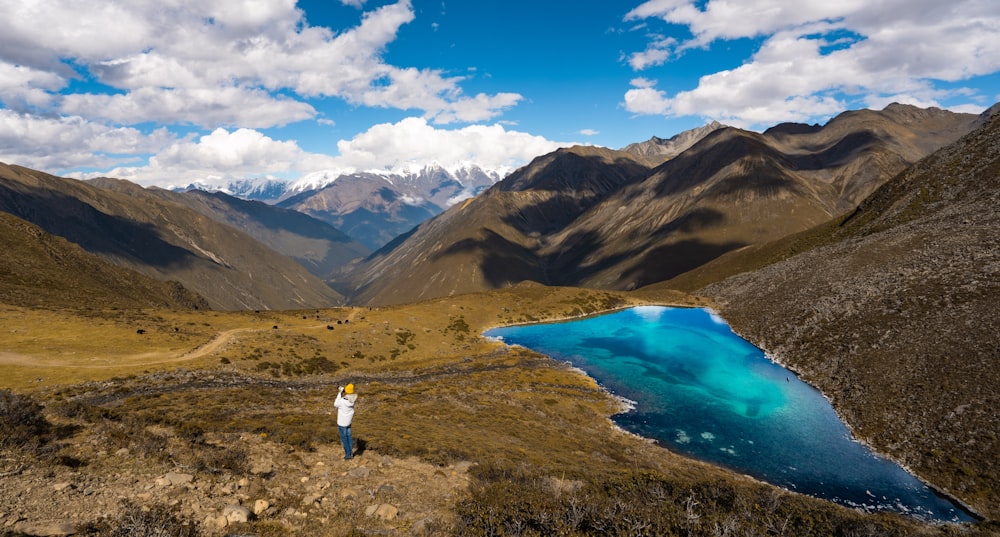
(626, 405)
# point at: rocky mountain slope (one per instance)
(364, 206)
(137, 230)
(891, 311)
(314, 244)
(41, 270)
(491, 240)
(603, 219)
(668, 148)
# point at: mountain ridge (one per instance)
(135, 229)
(586, 226)
(41, 270)
(312, 243)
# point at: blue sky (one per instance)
(168, 92)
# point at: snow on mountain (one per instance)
(259, 189)
(442, 185)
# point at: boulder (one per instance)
(173, 479)
(261, 467)
(260, 506)
(349, 493)
(359, 473)
(236, 513)
(46, 529)
(382, 511)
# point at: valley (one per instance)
(235, 412)
(170, 359)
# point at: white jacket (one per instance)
(345, 408)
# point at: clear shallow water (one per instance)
(703, 391)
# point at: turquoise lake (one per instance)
(701, 390)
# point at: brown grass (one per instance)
(429, 387)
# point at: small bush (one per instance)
(136, 521)
(131, 434)
(22, 424)
(216, 459)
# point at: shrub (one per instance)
(22, 424)
(215, 459)
(136, 521)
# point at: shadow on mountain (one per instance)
(279, 219)
(709, 157)
(670, 260)
(569, 266)
(548, 216)
(759, 179)
(503, 262)
(819, 158)
(93, 230)
(568, 171)
(696, 220)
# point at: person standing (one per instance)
(345, 415)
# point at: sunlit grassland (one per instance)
(431, 386)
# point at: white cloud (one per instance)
(413, 142)
(49, 143)
(205, 107)
(218, 62)
(644, 99)
(657, 53)
(220, 156)
(224, 155)
(589, 132)
(23, 87)
(819, 57)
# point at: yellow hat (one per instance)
(349, 389)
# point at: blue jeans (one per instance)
(347, 440)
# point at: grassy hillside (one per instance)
(42, 270)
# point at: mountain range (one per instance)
(600, 218)
(581, 216)
(373, 207)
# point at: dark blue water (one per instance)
(707, 393)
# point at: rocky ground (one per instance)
(283, 491)
(899, 327)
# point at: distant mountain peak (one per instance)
(671, 147)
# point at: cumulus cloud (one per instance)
(217, 63)
(204, 107)
(414, 142)
(219, 156)
(22, 87)
(819, 57)
(224, 155)
(657, 52)
(50, 143)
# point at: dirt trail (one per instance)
(157, 358)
